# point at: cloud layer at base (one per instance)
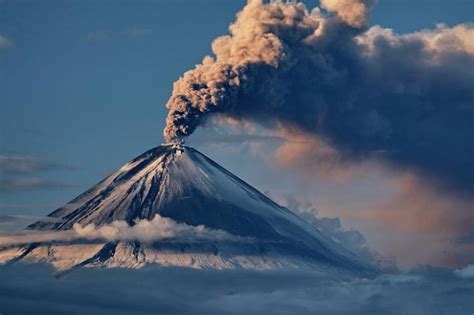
(185, 291)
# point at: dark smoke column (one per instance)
(258, 42)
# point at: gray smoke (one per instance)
(324, 73)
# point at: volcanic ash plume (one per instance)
(326, 74)
(260, 45)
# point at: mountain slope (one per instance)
(179, 183)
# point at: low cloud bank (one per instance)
(185, 291)
(143, 230)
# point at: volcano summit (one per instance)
(181, 185)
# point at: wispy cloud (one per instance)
(137, 32)
(12, 185)
(97, 37)
(20, 173)
(5, 42)
(28, 206)
(25, 218)
(11, 223)
(25, 164)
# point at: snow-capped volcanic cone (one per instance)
(185, 187)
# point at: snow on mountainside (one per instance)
(181, 184)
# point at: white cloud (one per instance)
(143, 230)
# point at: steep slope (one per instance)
(179, 183)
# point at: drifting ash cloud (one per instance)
(326, 74)
(185, 291)
(408, 209)
(143, 230)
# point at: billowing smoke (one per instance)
(325, 73)
(352, 12)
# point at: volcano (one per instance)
(181, 184)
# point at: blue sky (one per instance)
(84, 83)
